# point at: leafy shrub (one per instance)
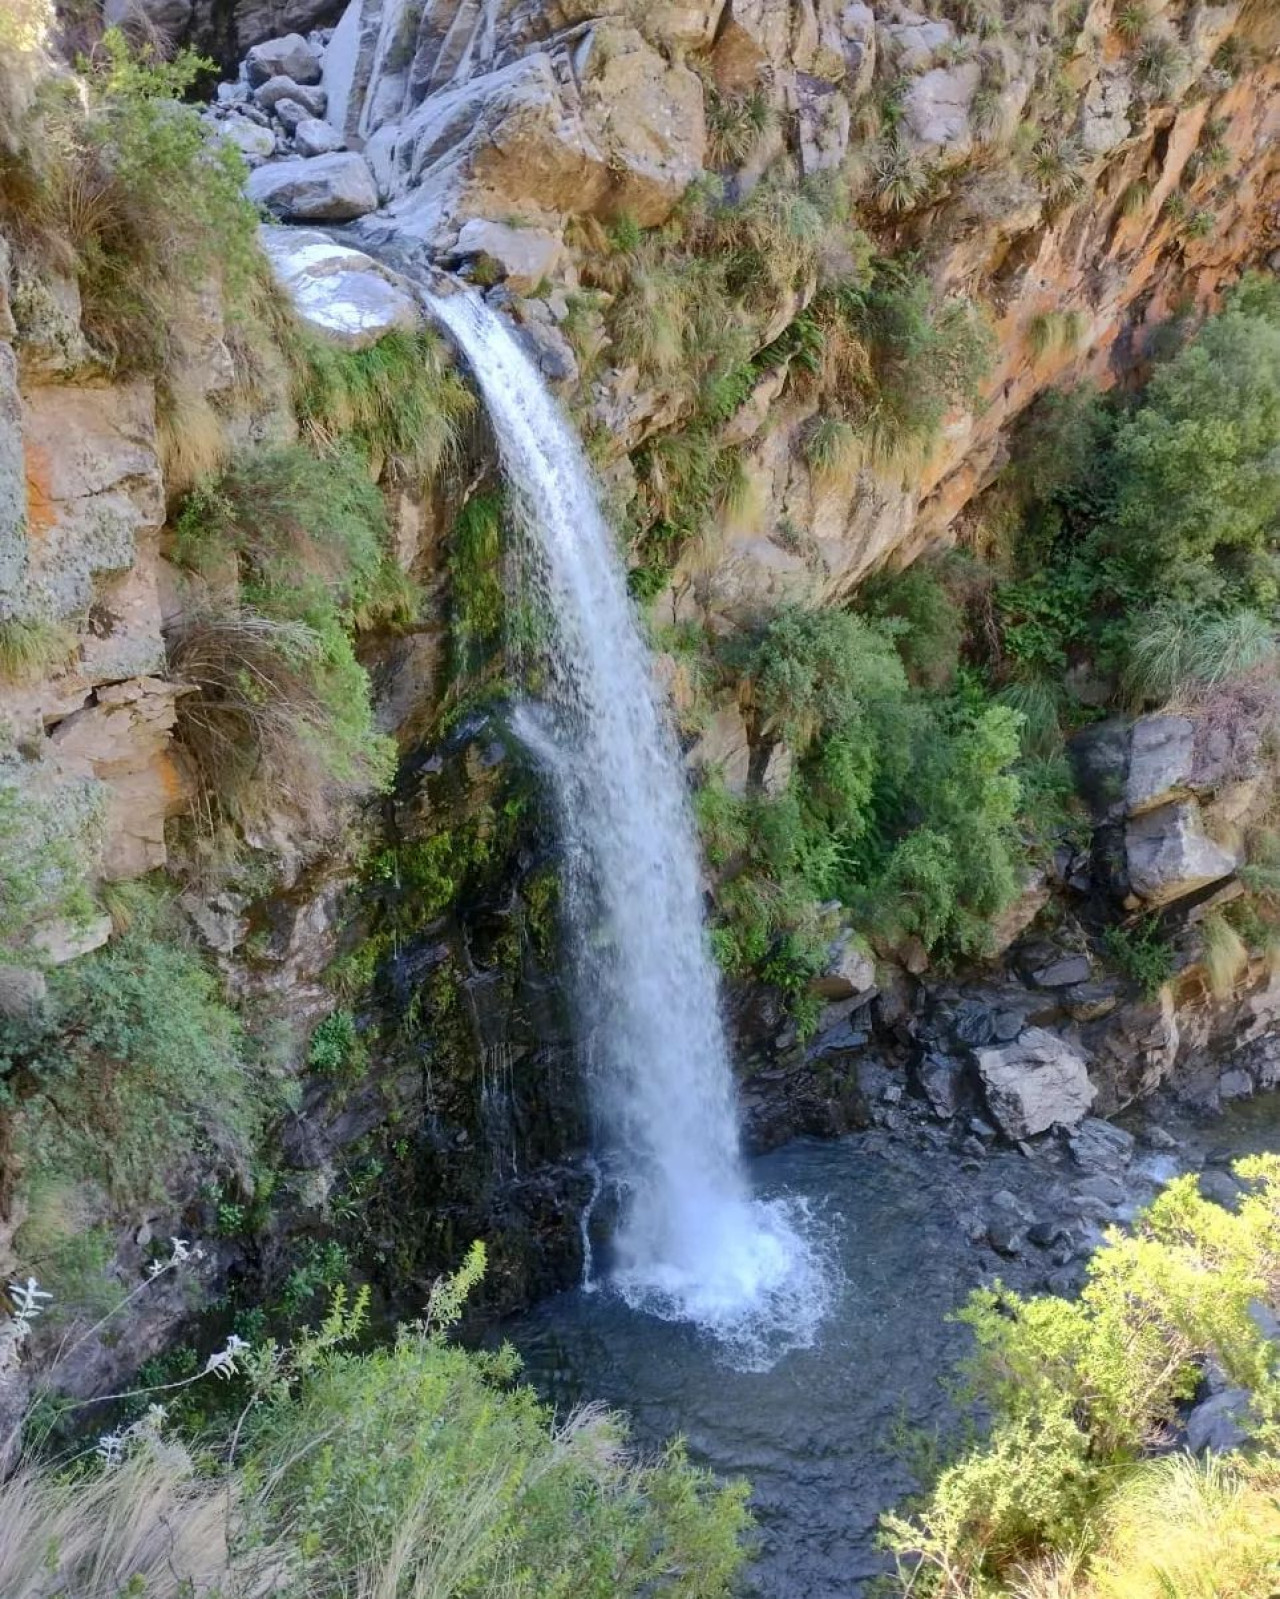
(931, 629)
(91, 190)
(135, 1059)
(335, 1047)
(1143, 953)
(1080, 1392)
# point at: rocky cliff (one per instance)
(670, 201)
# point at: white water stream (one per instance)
(692, 1244)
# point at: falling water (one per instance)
(691, 1243)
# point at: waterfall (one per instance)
(691, 1243)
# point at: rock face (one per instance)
(1169, 855)
(1037, 1082)
(321, 188)
(339, 292)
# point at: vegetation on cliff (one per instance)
(1078, 1491)
(413, 1470)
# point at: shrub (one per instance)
(930, 627)
(91, 190)
(134, 1060)
(1080, 1391)
(1143, 954)
(336, 1047)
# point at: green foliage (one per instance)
(736, 125)
(134, 1060)
(396, 400)
(1143, 954)
(48, 843)
(1176, 648)
(420, 1468)
(927, 620)
(91, 189)
(1081, 1390)
(283, 706)
(31, 647)
(336, 1047)
(477, 601)
(903, 806)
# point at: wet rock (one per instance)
(290, 56)
(1158, 1138)
(328, 188)
(942, 1079)
(1169, 856)
(1049, 1234)
(1100, 758)
(1035, 1083)
(340, 293)
(1219, 1424)
(1108, 1190)
(1005, 1235)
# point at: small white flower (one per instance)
(223, 1362)
(156, 1267)
(181, 1251)
(110, 1448)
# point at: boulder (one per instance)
(912, 43)
(291, 114)
(936, 112)
(256, 144)
(22, 991)
(618, 130)
(523, 257)
(288, 57)
(850, 971)
(1161, 752)
(541, 336)
(1037, 1082)
(722, 749)
(1062, 971)
(1169, 856)
(1101, 1146)
(942, 1080)
(1218, 1424)
(275, 91)
(342, 294)
(311, 136)
(320, 188)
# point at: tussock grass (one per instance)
(193, 440)
(31, 647)
(834, 451)
(737, 125)
(1179, 649)
(1225, 956)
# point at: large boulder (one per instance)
(1169, 855)
(318, 188)
(523, 257)
(614, 129)
(288, 57)
(344, 295)
(270, 95)
(1037, 1082)
(935, 111)
(1161, 754)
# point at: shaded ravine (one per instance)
(691, 1242)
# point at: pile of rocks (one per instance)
(274, 113)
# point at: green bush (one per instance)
(91, 190)
(336, 1047)
(134, 1061)
(1143, 953)
(1082, 1392)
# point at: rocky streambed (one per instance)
(910, 1218)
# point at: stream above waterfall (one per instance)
(821, 1434)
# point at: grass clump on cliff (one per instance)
(126, 190)
(282, 705)
(1072, 1493)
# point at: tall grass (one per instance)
(1178, 649)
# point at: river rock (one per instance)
(942, 1080)
(850, 972)
(289, 57)
(340, 293)
(1037, 1082)
(328, 188)
(1169, 855)
(255, 143)
(311, 136)
(276, 91)
(1098, 1146)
